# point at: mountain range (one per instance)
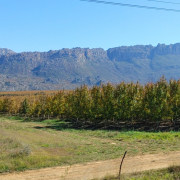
(70, 68)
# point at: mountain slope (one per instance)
(69, 68)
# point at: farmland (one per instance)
(54, 128)
(124, 106)
(32, 145)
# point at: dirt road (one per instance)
(98, 169)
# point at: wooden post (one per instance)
(121, 165)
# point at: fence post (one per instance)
(121, 165)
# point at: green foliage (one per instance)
(24, 107)
(106, 105)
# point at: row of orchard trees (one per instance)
(107, 105)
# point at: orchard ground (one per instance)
(33, 145)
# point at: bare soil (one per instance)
(98, 169)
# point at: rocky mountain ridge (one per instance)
(69, 68)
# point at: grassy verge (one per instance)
(31, 145)
(172, 173)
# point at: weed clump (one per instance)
(20, 152)
(12, 148)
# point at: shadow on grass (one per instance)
(59, 125)
(56, 125)
(123, 126)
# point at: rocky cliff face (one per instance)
(125, 53)
(162, 49)
(69, 68)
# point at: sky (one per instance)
(43, 25)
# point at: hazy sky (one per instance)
(41, 25)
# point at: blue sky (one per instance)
(42, 25)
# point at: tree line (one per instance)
(104, 106)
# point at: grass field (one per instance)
(172, 173)
(31, 145)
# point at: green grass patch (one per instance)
(172, 173)
(31, 145)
